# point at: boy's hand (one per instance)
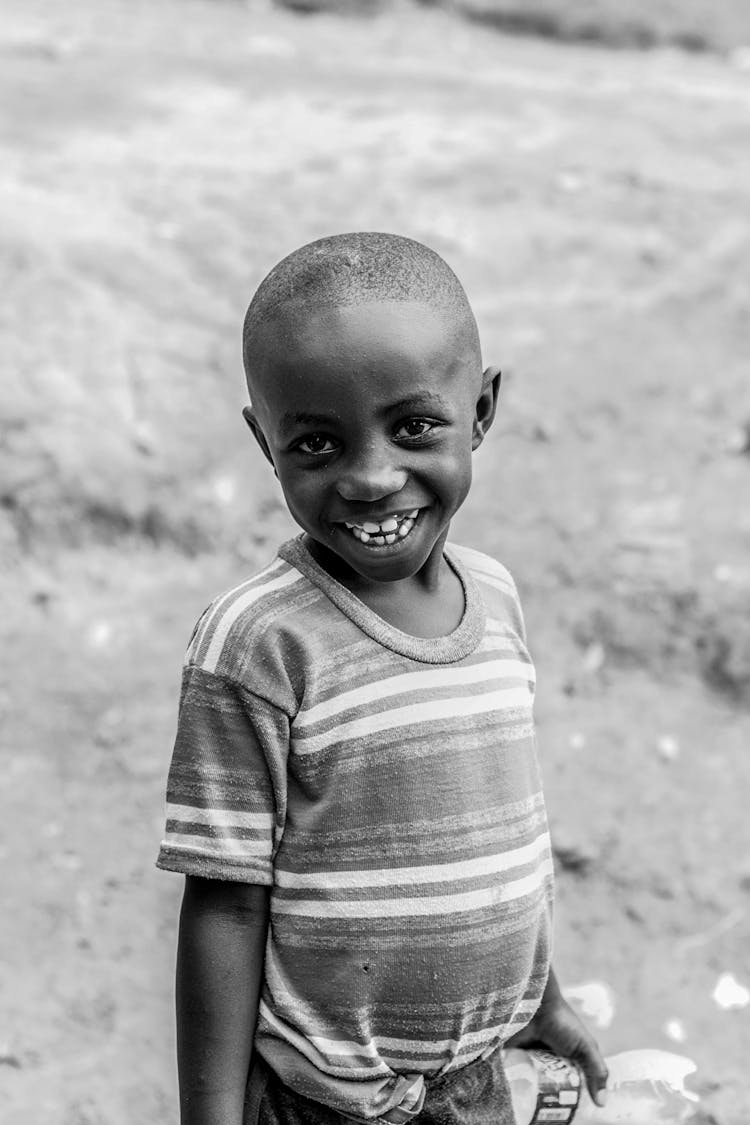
(557, 1027)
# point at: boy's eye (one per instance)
(414, 428)
(316, 444)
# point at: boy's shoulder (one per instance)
(484, 568)
(496, 585)
(244, 622)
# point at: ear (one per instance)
(252, 420)
(484, 411)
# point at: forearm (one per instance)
(552, 993)
(223, 929)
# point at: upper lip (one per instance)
(370, 517)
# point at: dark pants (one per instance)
(478, 1094)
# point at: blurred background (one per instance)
(584, 166)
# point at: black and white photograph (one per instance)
(375, 554)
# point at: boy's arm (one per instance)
(556, 1026)
(223, 927)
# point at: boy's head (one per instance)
(368, 397)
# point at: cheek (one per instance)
(303, 492)
(452, 475)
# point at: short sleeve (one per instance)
(226, 790)
(517, 611)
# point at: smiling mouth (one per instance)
(387, 532)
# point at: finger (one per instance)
(596, 1081)
(594, 1070)
(598, 1096)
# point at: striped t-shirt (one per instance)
(386, 788)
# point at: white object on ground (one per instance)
(100, 634)
(594, 657)
(729, 993)
(595, 1001)
(225, 489)
(675, 1030)
(668, 747)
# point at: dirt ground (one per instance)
(155, 160)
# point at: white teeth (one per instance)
(387, 532)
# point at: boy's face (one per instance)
(369, 414)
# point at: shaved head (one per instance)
(351, 269)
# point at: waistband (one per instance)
(475, 1092)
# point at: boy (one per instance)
(354, 795)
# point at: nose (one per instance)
(371, 475)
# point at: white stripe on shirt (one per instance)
(505, 701)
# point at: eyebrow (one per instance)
(419, 402)
(290, 421)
